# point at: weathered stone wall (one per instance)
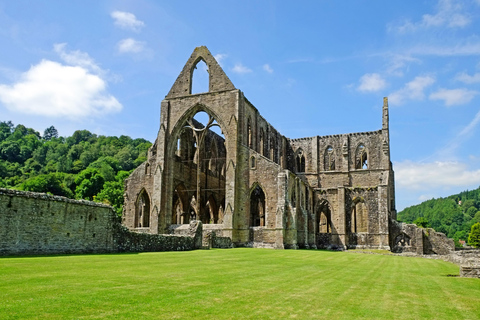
(411, 238)
(37, 223)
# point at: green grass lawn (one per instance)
(235, 284)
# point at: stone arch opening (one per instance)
(324, 218)
(300, 160)
(361, 157)
(329, 159)
(142, 210)
(180, 205)
(210, 214)
(199, 78)
(200, 156)
(257, 207)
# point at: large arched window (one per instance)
(257, 207)
(199, 166)
(142, 210)
(361, 157)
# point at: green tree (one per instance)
(89, 182)
(50, 133)
(422, 222)
(474, 236)
(48, 183)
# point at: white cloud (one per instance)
(434, 175)
(267, 68)
(130, 45)
(371, 82)
(220, 57)
(77, 58)
(449, 14)
(468, 79)
(127, 20)
(413, 90)
(241, 69)
(55, 90)
(453, 97)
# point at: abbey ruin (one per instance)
(217, 160)
(219, 175)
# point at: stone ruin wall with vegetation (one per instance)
(37, 223)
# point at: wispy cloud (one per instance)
(267, 68)
(77, 58)
(453, 97)
(413, 90)
(127, 20)
(371, 82)
(220, 57)
(130, 45)
(449, 13)
(468, 79)
(51, 89)
(241, 69)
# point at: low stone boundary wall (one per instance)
(34, 223)
(470, 271)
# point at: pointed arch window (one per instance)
(142, 210)
(300, 161)
(200, 78)
(257, 207)
(361, 157)
(324, 218)
(329, 159)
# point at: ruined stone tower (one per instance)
(216, 159)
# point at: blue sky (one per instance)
(310, 67)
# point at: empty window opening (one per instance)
(300, 161)
(361, 157)
(249, 133)
(142, 210)
(252, 162)
(324, 219)
(202, 173)
(329, 159)
(200, 78)
(257, 207)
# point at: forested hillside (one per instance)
(83, 166)
(453, 215)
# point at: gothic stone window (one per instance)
(361, 157)
(142, 210)
(329, 159)
(257, 207)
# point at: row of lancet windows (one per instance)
(268, 150)
(361, 159)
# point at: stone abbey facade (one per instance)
(216, 159)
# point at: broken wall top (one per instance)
(218, 80)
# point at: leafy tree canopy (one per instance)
(454, 215)
(83, 166)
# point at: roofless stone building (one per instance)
(216, 159)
